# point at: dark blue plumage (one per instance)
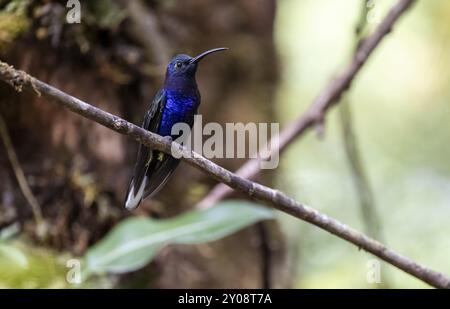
(176, 102)
(178, 107)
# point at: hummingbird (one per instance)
(177, 101)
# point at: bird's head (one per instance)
(185, 66)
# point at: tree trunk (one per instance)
(79, 171)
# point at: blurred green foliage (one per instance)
(13, 22)
(135, 241)
(401, 110)
(128, 247)
(104, 14)
(24, 266)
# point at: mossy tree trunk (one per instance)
(79, 170)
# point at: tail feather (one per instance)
(156, 179)
(134, 197)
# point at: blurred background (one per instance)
(381, 166)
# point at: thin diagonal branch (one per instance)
(20, 176)
(20, 80)
(363, 189)
(316, 112)
(355, 161)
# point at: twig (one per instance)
(367, 205)
(254, 190)
(359, 176)
(20, 176)
(316, 112)
(361, 182)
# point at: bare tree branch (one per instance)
(20, 80)
(21, 179)
(316, 112)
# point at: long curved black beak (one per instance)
(206, 53)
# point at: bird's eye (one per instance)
(178, 64)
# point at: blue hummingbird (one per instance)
(177, 101)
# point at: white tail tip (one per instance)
(133, 200)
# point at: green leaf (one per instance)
(9, 232)
(135, 241)
(14, 255)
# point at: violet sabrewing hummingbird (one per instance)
(177, 101)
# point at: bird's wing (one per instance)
(162, 168)
(145, 155)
